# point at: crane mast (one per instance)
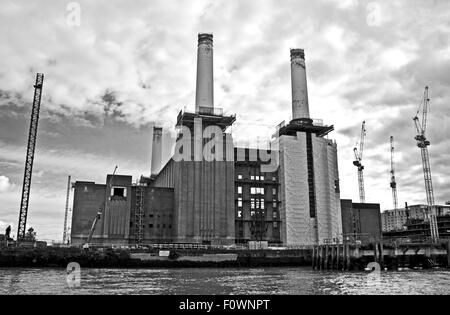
(66, 212)
(423, 143)
(358, 163)
(393, 180)
(23, 213)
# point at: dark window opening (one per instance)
(118, 192)
(311, 184)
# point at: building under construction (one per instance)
(222, 199)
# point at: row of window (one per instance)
(152, 215)
(256, 177)
(256, 190)
(256, 203)
(151, 225)
(253, 213)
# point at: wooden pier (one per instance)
(347, 257)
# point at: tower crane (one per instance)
(358, 163)
(32, 135)
(66, 212)
(393, 180)
(423, 143)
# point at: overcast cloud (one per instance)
(130, 65)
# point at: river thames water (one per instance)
(224, 281)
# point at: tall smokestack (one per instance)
(300, 105)
(205, 89)
(156, 150)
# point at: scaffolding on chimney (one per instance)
(139, 214)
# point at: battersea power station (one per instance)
(211, 192)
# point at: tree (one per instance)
(30, 235)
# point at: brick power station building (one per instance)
(237, 196)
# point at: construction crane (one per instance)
(66, 213)
(358, 163)
(393, 180)
(30, 157)
(423, 143)
(100, 211)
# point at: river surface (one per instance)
(223, 281)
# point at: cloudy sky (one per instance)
(129, 65)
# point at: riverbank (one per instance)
(151, 258)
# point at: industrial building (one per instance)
(222, 194)
(361, 221)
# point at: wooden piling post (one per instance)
(326, 256)
(314, 258)
(448, 254)
(381, 258)
(375, 258)
(347, 257)
(337, 256)
(322, 258)
(319, 257)
(332, 257)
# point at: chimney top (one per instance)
(157, 130)
(205, 38)
(297, 53)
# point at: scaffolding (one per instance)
(139, 214)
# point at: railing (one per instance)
(210, 111)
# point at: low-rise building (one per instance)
(396, 220)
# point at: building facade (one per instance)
(210, 192)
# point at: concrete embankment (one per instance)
(117, 258)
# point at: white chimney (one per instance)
(156, 150)
(300, 105)
(205, 83)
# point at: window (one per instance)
(252, 213)
(274, 214)
(150, 225)
(239, 190)
(239, 202)
(262, 204)
(257, 177)
(274, 191)
(252, 177)
(239, 214)
(261, 177)
(252, 203)
(274, 204)
(119, 192)
(275, 225)
(274, 178)
(239, 176)
(257, 191)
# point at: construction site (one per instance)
(277, 206)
